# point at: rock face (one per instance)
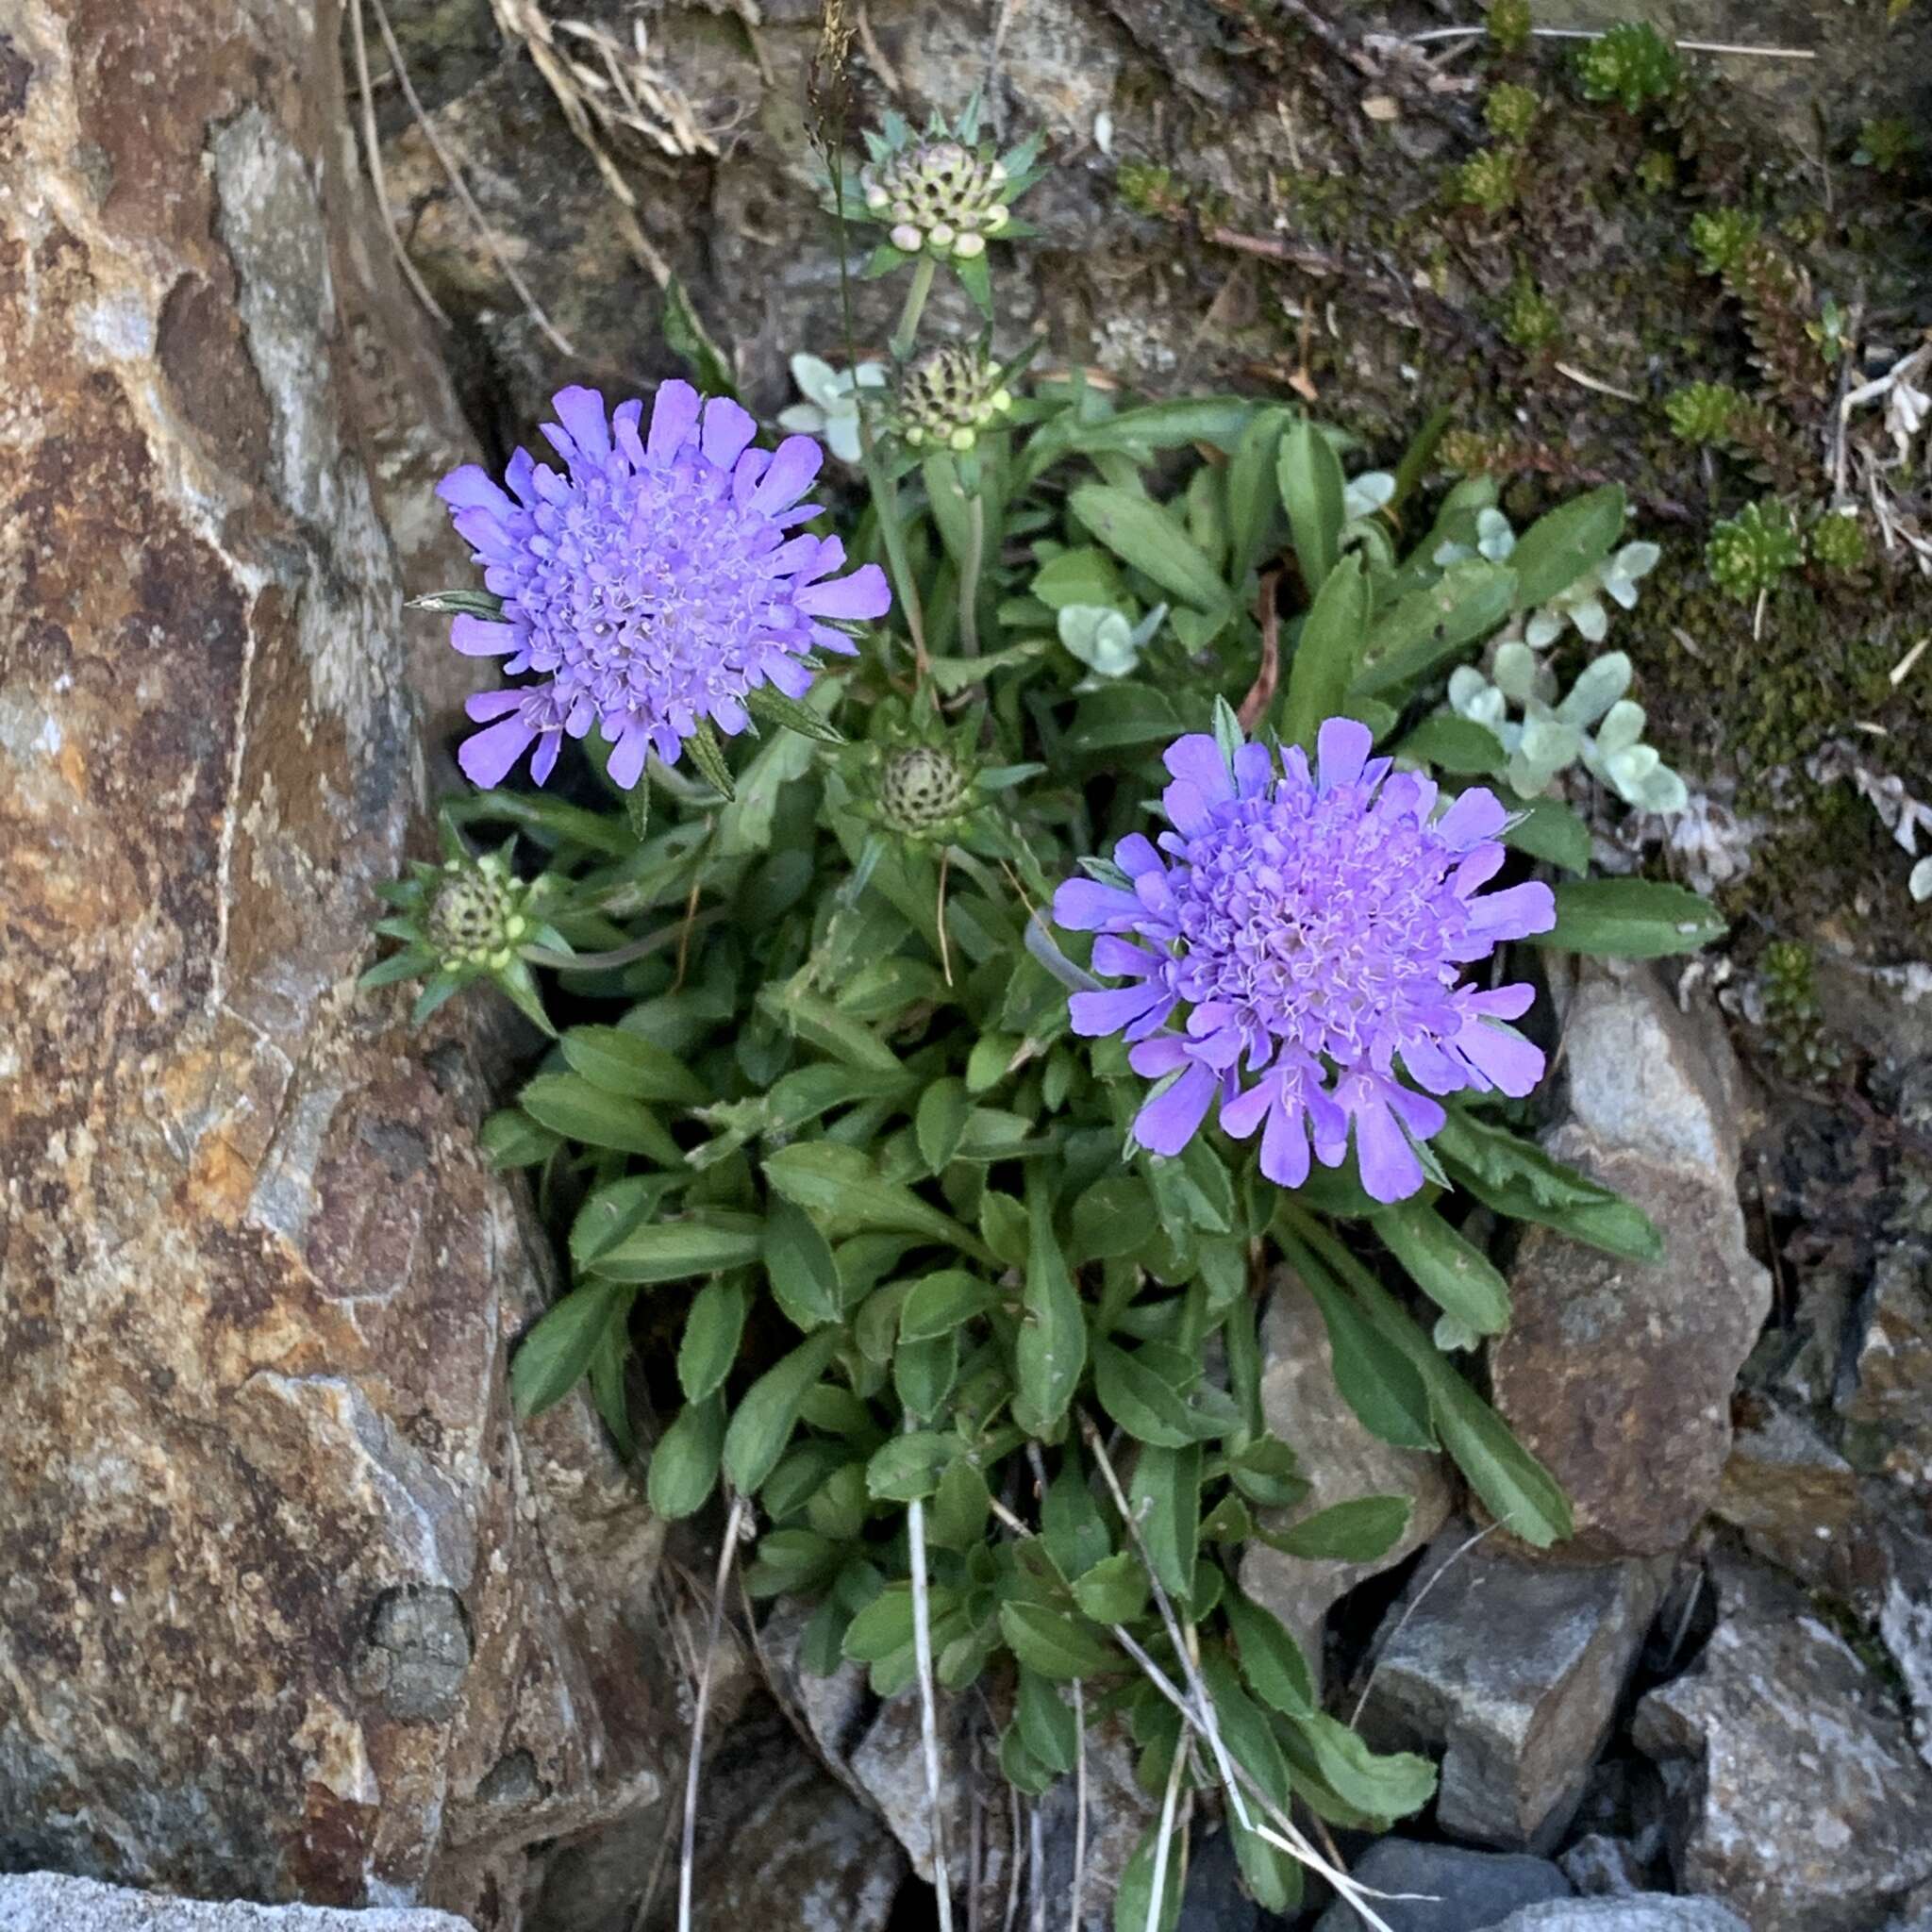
(1617, 1374)
(48, 1902)
(1795, 1794)
(1512, 1672)
(1458, 1890)
(286, 1607)
(1650, 1911)
(1340, 1458)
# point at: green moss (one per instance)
(1721, 236)
(1702, 413)
(1510, 24)
(1632, 64)
(1749, 554)
(1530, 320)
(1656, 173)
(1886, 144)
(1148, 190)
(1838, 541)
(1489, 181)
(1793, 1019)
(1511, 110)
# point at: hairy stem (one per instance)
(970, 567)
(907, 331)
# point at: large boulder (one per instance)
(288, 1607)
(1619, 1373)
(50, 1902)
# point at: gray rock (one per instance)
(1460, 1890)
(1213, 1900)
(50, 1902)
(1649, 1911)
(1794, 1789)
(1512, 1671)
(1340, 1458)
(1602, 1867)
(1793, 1497)
(1619, 1373)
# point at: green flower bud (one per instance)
(940, 194)
(922, 789)
(948, 397)
(475, 916)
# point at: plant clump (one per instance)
(1749, 554)
(1631, 64)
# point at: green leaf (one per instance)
(799, 1265)
(677, 1250)
(569, 1105)
(1631, 919)
(1051, 1351)
(555, 1355)
(1552, 831)
(1019, 1768)
(1112, 1218)
(1376, 1379)
(1084, 575)
(924, 1373)
(1556, 549)
(684, 1464)
(509, 1138)
(634, 1068)
(1385, 1787)
(1329, 650)
(708, 755)
(637, 809)
(1053, 1645)
(1140, 533)
(1272, 1660)
(1312, 488)
(1455, 1275)
(1121, 715)
(956, 1520)
(822, 1025)
(711, 1333)
(1265, 1472)
(1253, 490)
(1420, 630)
(1356, 1531)
(883, 1626)
(1071, 1523)
(1046, 1722)
(1165, 1496)
(1250, 1740)
(842, 1190)
(484, 604)
(942, 1120)
(1114, 1591)
(1134, 1393)
(907, 1468)
(766, 1417)
(769, 706)
(1457, 745)
(686, 337)
(611, 1212)
(941, 1304)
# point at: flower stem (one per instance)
(915, 305)
(970, 567)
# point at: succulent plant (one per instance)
(1632, 64)
(1748, 555)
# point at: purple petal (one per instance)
(1241, 1115)
(1087, 905)
(486, 757)
(728, 429)
(1197, 759)
(1479, 866)
(624, 432)
(827, 639)
(672, 413)
(627, 758)
(1095, 1014)
(1285, 1143)
(477, 636)
(1119, 958)
(1341, 749)
(1188, 810)
(1389, 1169)
(1168, 1121)
(1478, 815)
(582, 412)
(1513, 913)
(864, 593)
(787, 674)
(544, 760)
(470, 488)
(1254, 770)
(1135, 854)
(1502, 1056)
(797, 461)
(492, 704)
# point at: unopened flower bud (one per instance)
(907, 237)
(875, 197)
(951, 393)
(922, 789)
(967, 246)
(941, 236)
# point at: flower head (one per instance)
(1292, 950)
(938, 194)
(947, 398)
(651, 584)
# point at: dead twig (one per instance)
(378, 177)
(687, 1858)
(1261, 692)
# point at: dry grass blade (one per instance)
(928, 1708)
(378, 177)
(490, 239)
(1168, 1801)
(1078, 1890)
(687, 1858)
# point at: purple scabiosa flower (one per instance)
(1291, 950)
(651, 584)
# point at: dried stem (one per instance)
(1079, 1884)
(928, 1707)
(687, 1858)
(1170, 1799)
(378, 177)
(1581, 33)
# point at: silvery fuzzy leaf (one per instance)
(1514, 670)
(842, 439)
(1101, 637)
(803, 419)
(1630, 770)
(1598, 686)
(1446, 554)
(1466, 686)
(815, 378)
(1548, 745)
(1590, 619)
(1663, 791)
(1543, 628)
(1622, 726)
(1366, 493)
(1143, 631)
(1919, 885)
(1493, 536)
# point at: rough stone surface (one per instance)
(1795, 1794)
(1599, 1866)
(1793, 1497)
(1512, 1671)
(1463, 1891)
(1619, 1373)
(1340, 1458)
(1652, 1912)
(1213, 1900)
(874, 1748)
(49, 1901)
(286, 1607)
